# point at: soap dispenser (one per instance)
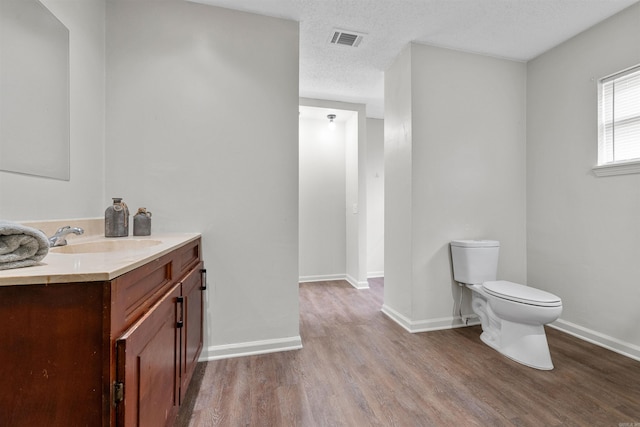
(142, 223)
(116, 219)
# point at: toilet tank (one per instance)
(475, 261)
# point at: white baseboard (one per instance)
(358, 285)
(428, 324)
(624, 348)
(597, 338)
(323, 278)
(375, 274)
(216, 352)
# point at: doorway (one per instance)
(332, 207)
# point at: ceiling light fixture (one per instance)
(332, 124)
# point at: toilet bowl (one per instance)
(512, 315)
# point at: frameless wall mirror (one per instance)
(34, 90)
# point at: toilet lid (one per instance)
(520, 293)
(476, 243)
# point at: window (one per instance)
(619, 119)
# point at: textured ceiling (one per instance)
(513, 29)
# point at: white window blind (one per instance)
(619, 116)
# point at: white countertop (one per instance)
(86, 267)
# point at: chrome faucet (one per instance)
(59, 239)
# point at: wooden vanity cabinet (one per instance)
(110, 353)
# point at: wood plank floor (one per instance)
(359, 368)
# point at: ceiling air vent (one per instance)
(346, 38)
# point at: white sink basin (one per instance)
(105, 246)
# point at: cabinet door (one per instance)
(192, 291)
(147, 358)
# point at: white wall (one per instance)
(322, 200)
(202, 113)
(25, 197)
(356, 213)
(583, 231)
(375, 197)
(458, 173)
(397, 185)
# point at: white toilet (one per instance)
(512, 315)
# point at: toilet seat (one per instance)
(521, 294)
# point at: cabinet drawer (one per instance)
(135, 292)
(187, 257)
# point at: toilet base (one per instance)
(525, 344)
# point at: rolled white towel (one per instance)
(21, 246)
